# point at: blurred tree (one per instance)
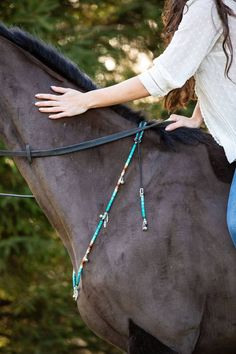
(120, 35)
(110, 41)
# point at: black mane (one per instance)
(54, 59)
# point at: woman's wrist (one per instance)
(197, 117)
(197, 121)
(90, 99)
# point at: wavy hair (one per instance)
(171, 17)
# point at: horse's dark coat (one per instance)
(177, 281)
(141, 342)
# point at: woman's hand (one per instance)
(73, 102)
(70, 103)
(182, 121)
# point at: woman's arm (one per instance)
(74, 102)
(125, 91)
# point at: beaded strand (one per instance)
(104, 217)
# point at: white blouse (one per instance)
(196, 50)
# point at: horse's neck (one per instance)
(72, 190)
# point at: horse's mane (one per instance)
(54, 59)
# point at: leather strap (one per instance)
(30, 153)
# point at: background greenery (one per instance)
(106, 39)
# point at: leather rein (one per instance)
(30, 153)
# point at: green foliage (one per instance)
(37, 313)
(79, 28)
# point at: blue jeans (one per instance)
(231, 210)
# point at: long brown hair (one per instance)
(171, 17)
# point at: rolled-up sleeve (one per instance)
(194, 38)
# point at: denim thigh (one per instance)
(231, 210)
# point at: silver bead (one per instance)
(141, 192)
(105, 218)
(145, 224)
(122, 181)
(75, 293)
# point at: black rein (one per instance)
(29, 153)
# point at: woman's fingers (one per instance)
(173, 126)
(46, 103)
(180, 121)
(47, 96)
(60, 89)
(50, 96)
(64, 104)
(52, 109)
(59, 115)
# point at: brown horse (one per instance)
(171, 289)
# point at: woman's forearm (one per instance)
(122, 92)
